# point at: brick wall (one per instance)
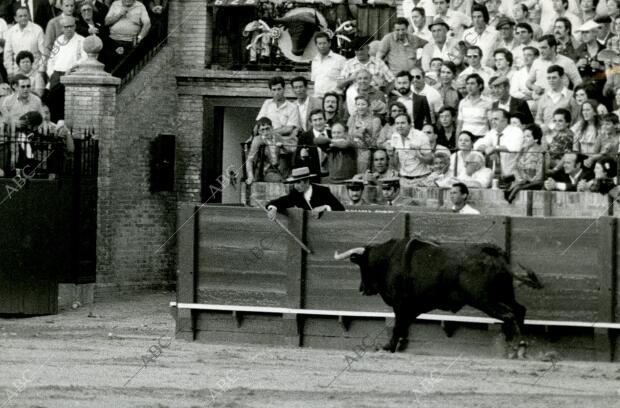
(187, 27)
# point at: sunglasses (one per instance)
(69, 26)
(25, 86)
(416, 76)
(473, 56)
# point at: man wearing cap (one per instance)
(441, 46)
(481, 34)
(382, 76)
(390, 191)
(506, 38)
(500, 86)
(399, 49)
(305, 195)
(411, 150)
(355, 190)
(604, 33)
(590, 68)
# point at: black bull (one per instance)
(415, 277)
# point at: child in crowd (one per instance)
(559, 140)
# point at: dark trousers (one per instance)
(56, 97)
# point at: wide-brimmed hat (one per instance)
(356, 181)
(588, 26)
(438, 21)
(390, 182)
(300, 173)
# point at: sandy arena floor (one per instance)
(76, 360)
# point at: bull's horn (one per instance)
(347, 254)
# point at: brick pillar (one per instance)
(90, 101)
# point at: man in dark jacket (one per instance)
(417, 105)
(307, 153)
(304, 195)
(570, 174)
(516, 107)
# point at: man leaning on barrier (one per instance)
(305, 195)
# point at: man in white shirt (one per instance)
(411, 150)
(65, 55)
(560, 9)
(326, 66)
(481, 34)
(304, 103)
(418, 24)
(518, 84)
(459, 193)
(23, 36)
(474, 57)
(455, 19)
(503, 141)
(537, 81)
(441, 46)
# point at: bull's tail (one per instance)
(530, 279)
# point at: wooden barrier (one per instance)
(234, 256)
(487, 201)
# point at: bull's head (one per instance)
(301, 27)
(370, 284)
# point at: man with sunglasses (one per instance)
(474, 57)
(21, 101)
(524, 36)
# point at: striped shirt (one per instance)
(381, 74)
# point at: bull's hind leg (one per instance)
(512, 318)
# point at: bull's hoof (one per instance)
(390, 346)
(402, 344)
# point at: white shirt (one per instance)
(408, 152)
(518, 84)
(512, 138)
(302, 108)
(68, 55)
(325, 72)
(31, 38)
(427, 5)
(467, 209)
(486, 41)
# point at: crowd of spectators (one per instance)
(478, 92)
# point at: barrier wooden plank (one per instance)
(186, 245)
(492, 202)
(571, 204)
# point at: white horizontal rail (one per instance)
(348, 313)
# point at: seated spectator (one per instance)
(24, 36)
(476, 174)
(47, 126)
(431, 132)
(380, 169)
(560, 140)
(500, 86)
(557, 96)
(446, 127)
(355, 190)
(271, 162)
(586, 132)
(390, 192)
(503, 64)
(364, 127)
(530, 163)
(395, 109)
(129, 23)
(432, 76)
(308, 153)
(421, 88)
(334, 113)
(608, 135)
(605, 171)
(459, 193)
(305, 195)
(572, 171)
(580, 94)
(87, 24)
(439, 171)
(449, 95)
(341, 154)
(20, 102)
(362, 87)
(24, 61)
(465, 145)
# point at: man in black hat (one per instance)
(441, 46)
(390, 189)
(604, 33)
(505, 27)
(304, 195)
(355, 190)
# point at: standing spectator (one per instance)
(557, 96)
(421, 88)
(515, 106)
(537, 80)
(431, 132)
(54, 28)
(458, 159)
(474, 58)
(364, 127)
(613, 42)
(395, 109)
(156, 9)
(446, 127)
(447, 90)
(560, 9)
(454, 20)
(25, 66)
(474, 108)
(341, 154)
(530, 163)
(326, 66)
(308, 153)
(418, 24)
(87, 24)
(506, 38)
(566, 44)
(274, 164)
(502, 145)
(334, 113)
(399, 49)
(604, 32)
(586, 132)
(524, 36)
(20, 102)
(518, 85)
(590, 68)
(521, 14)
(129, 23)
(380, 73)
(459, 193)
(481, 34)
(24, 36)
(411, 150)
(304, 103)
(441, 46)
(40, 11)
(363, 87)
(427, 7)
(70, 52)
(417, 105)
(560, 140)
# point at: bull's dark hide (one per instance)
(301, 28)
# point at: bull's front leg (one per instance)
(399, 332)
